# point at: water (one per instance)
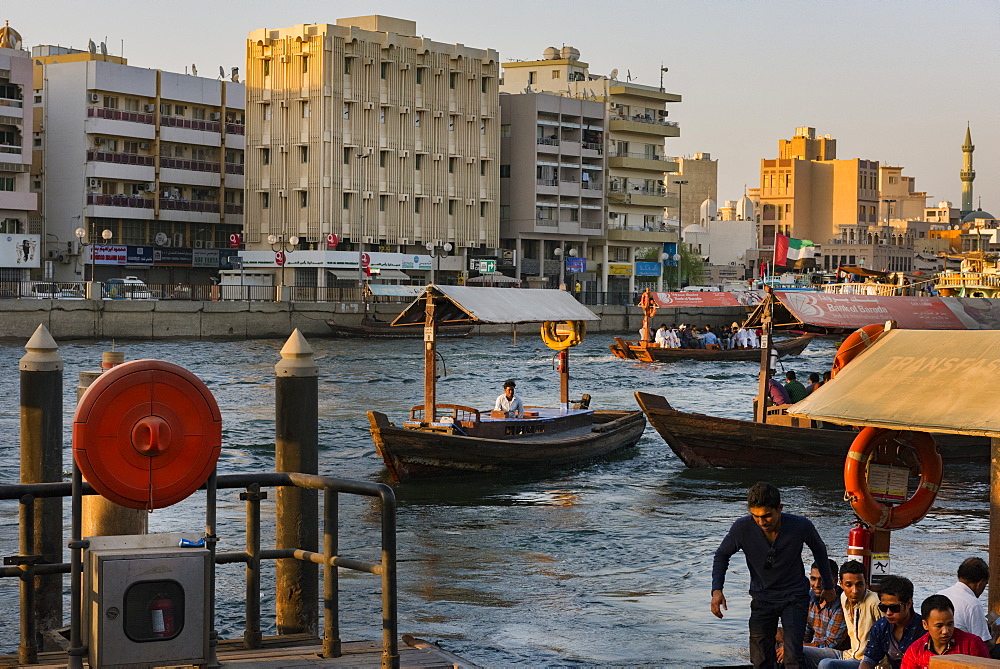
(607, 563)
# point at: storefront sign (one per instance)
(620, 270)
(171, 257)
(645, 268)
(576, 265)
(108, 255)
(20, 251)
(205, 258)
(139, 255)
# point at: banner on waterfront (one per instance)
(695, 299)
(910, 313)
(20, 251)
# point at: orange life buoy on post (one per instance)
(859, 340)
(870, 510)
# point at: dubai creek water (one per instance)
(607, 563)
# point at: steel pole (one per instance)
(297, 450)
(41, 371)
(994, 596)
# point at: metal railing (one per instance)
(643, 156)
(643, 118)
(119, 115)
(120, 158)
(26, 565)
(120, 200)
(194, 165)
(191, 124)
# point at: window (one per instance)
(416, 119)
(347, 154)
(178, 151)
(381, 158)
(451, 165)
(267, 67)
(8, 137)
(198, 113)
(451, 123)
(131, 147)
(265, 200)
(10, 226)
(451, 207)
(131, 104)
(418, 161)
(304, 108)
(452, 80)
(556, 74)
(179, 110)
(381, 114)
(303, 154)
(505, 212)
(111, 102)
(303, 198)
(892, 180)
(383, 70)
(482, 126)
(382, 199)
(482, 209)
(505, 171)
(38, 99)
(347, 65)
(482, 168)
(505, 130)
(139, 625)
(267, 111)
(417, 204)
(531, 78)
(305, 64)
(265, 156)
(347, 201)
(7, 183)
(484, 84)
(420, 75)
(347, 112)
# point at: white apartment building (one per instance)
(368, 139)
(20, 251)
(153, 157)
(637, 127)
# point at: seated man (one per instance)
(775, 391)
(796, 391)
(942, 637)
(509, 403)
(661, 336)
(973, 577)
(710, 338)
(899, 627)
(825, 625)
(673, 341)
(860, 607)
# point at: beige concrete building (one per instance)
(551, 185)
(637, 126)
(20, 243)
(702, 176)
(155, 158)
(876, 247)
(899, 198)
(808, 193)
(368, 132)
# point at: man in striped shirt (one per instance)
(825, 624)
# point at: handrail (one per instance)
(26, 566)
(458, 412)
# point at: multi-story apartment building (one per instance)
(368, 138)
(900, 199)
(551, 184)
(20, 250)
(700, 175)
(637, 126)
(153, 157)
(808, 193)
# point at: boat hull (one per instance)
(382, 330)
(708, 441)
(412, 453)
(632, 351)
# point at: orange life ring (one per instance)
(858, 341)
(870, 510)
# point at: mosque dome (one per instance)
(976, 215)
(708, 211)
(9, 38)
(745, 209)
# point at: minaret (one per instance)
(967, 174)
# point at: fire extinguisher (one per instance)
(161, 616)
(562, 361)
(859, 547)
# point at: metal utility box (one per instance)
(146, 601)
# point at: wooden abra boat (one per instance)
(709, 441)
(634, 350)
(383, 330)
(453, 438)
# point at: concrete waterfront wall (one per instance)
(180, 319)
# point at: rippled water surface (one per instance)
(607, 563)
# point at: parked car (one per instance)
(48, 291)
(129, 288)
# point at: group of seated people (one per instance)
(792, 391)
(689, 336)
(864, 629)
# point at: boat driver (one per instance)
(510, 403)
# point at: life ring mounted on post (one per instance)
(561, 335)
(875, 513)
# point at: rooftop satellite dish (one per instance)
(104, 49)
(222, 72)
(92, 46)
(614, 73)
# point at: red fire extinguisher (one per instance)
(859, 547)
(161, 613)
(562, 361)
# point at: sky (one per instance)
(892, 80)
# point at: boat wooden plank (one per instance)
(785, 347)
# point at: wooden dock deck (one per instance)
(299, 651)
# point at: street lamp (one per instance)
(680, 224)
(81, 234)
(433, 251)
(281, 251)
(888, 210)
(558, 253)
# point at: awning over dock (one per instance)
(851, 312)
(927, 380)
(467, 304)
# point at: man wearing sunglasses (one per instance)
(772, 542)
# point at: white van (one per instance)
(129, 288)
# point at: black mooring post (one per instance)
(296, 449)
(41, 462)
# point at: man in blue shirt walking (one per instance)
(771, 542)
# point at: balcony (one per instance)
(232, 168)
(194, 165)
(642, 161)
(183, 205)
(190, 124)
(655, 232)
(119, 200)
(644, 125)
(641, 196)
(232, 208)
(547, 141)
(235, 129)
(118, 115)
(594, 186)
(11, 102)
(10, 148)
(120, 158)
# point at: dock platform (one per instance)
(299, 650)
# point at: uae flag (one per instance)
(789, 249)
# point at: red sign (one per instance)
(366, 260)
(234, 240)
(279, 258)
(856, 311)
(332, 240)
(695, 299)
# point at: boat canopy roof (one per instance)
(861, 271)
(389, 290)
(929, 380)
(468, 304)
(856, 311)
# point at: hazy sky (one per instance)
(892, 80)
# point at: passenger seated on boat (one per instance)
(509, 403)
(775, 391)
(673, 341)
(661, 336)
(814, 382)
(710, 339)
(796, 391)
(686, 336)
